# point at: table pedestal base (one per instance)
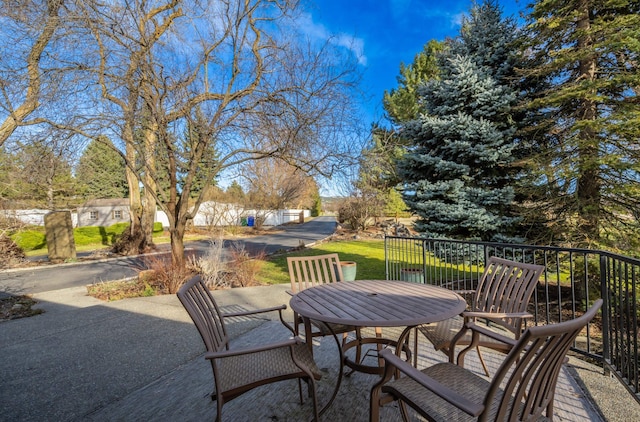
(369, 369)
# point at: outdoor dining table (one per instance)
(374, 303)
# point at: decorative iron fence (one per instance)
(572, 281)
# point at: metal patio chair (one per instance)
(501, 298)
(309, 271)
(523, 388)
(236, 371)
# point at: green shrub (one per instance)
(30, 240)
(88, 235)
(34, 237)
(103, 235)
(92, 235)
(118, 228)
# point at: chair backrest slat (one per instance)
(309, 271)
(203, 310)
(529, 373)
(506, 286)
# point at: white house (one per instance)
(104, 212)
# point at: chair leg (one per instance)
(460, 362)
(484, 365)
(219, 409)
(374, 404)
(415, 347)
(314, 398)
(403, 410)
(300, 390)
(549, 410)
(358, 349)
(379, 346)
(359, 346)
(296, 324)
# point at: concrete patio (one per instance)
(184, 393)
(141, 360)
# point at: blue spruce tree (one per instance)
(458, 174)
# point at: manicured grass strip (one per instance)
(33, 241)
(368, 254)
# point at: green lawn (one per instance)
(33, 242)
(368, 255)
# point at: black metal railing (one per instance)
(572, 281)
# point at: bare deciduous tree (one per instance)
(274, 184)
(29, 66)
(238, 64)
(43, 170)
(236, 71)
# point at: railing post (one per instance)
(604, 293)
(424, 262)
(486, 256)
(386, 258)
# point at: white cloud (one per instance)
(401, 11)
(308, 27)
(319, 32)
(356, 45)
(456, 20)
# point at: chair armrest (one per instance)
(255, 311)
(442, 391)
(256, 349)
(496, 315)
(262, 311)
(492, 334)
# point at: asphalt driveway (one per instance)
(56, 277)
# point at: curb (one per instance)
(84, 261)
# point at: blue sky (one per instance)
(384, 33)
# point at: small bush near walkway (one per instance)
(242, 270)
(11, 253)
(160, 276)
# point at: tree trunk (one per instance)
(149, 204)
(148, 218)
(177, 243)
(588, 189)
(50, 189)
(136, 237)
(50, 172)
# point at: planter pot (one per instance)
(348, 270)
(413, 275)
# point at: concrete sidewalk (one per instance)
(83, 354)
(141, 360)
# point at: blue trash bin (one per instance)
(251, 221)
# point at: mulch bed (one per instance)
(14, 307)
